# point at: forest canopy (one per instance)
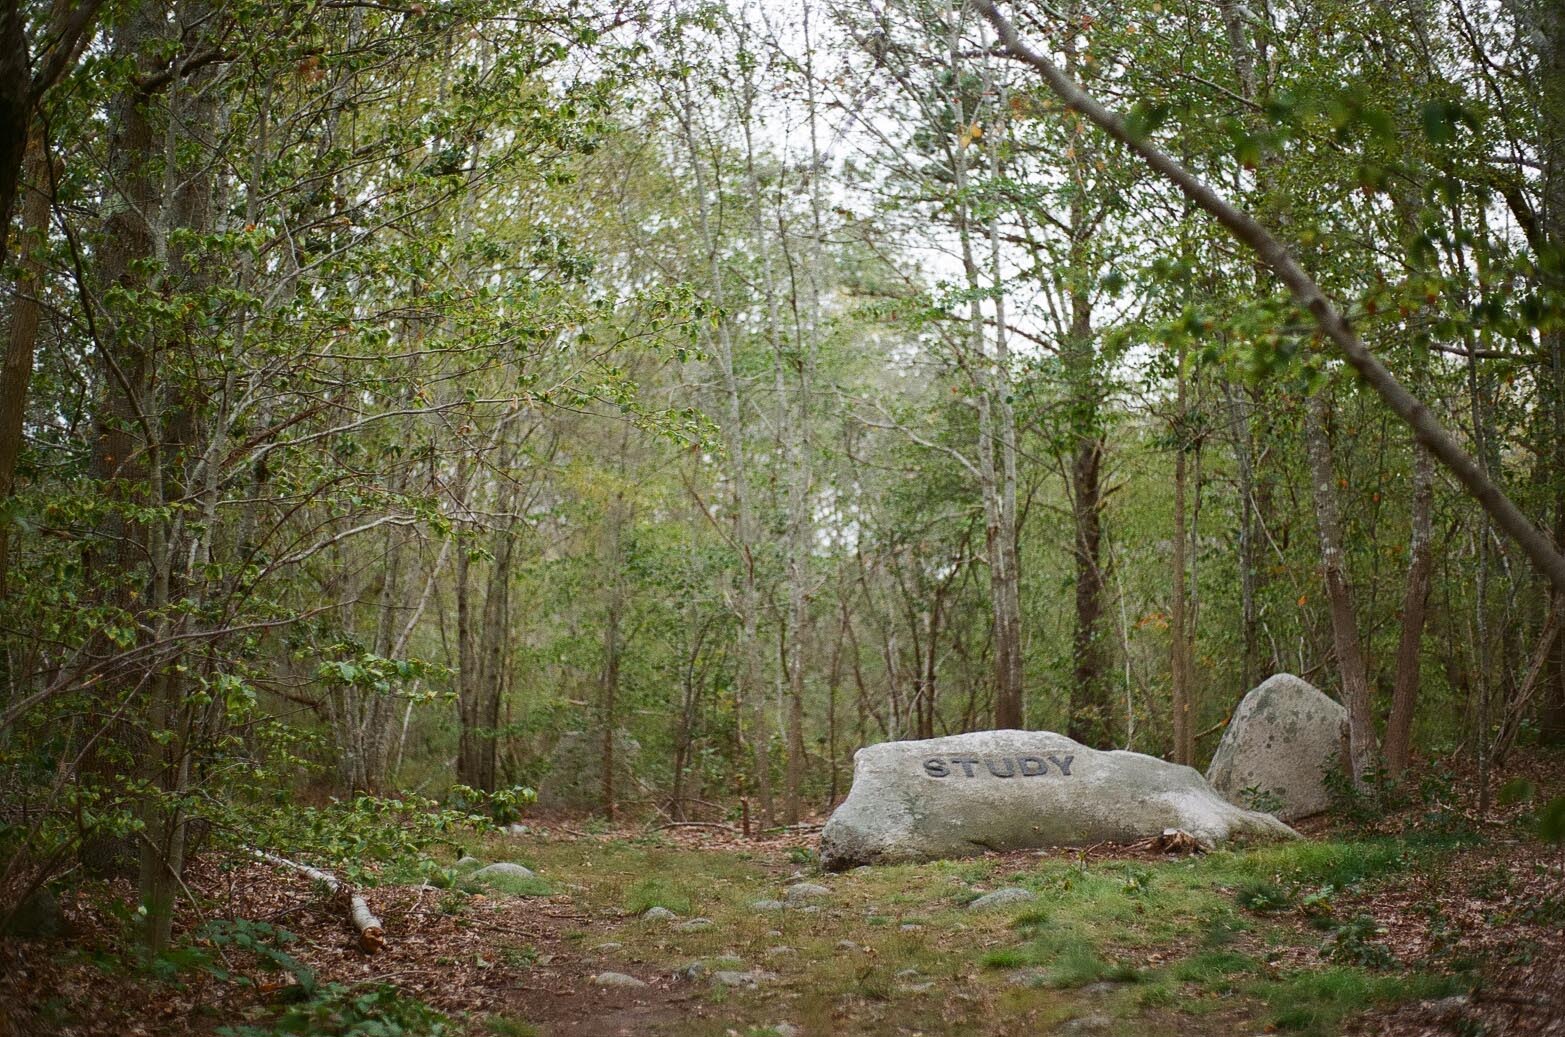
(422, 407)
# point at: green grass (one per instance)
(1180, 938)
(657, 892)
(1315, 1003)
(511, 885)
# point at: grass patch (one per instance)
(510, 885)
(657, 892)
(1316, 1002)
(1215, 970)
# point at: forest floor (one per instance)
(1429, 922)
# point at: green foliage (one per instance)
(657, 891)
(1516, 791)
(1551, 821)
(1264, 800)
(1264, 897)
(1356, 942)
(337, 1010)
(360, 838)
(263, 941)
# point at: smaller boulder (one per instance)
(617, 979)
(767, 905)
(1280, 745)
(695, 925)
(504, 870)
(658, 913)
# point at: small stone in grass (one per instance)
(778, 951)
(767, 905)
(847, 945)
(468, 864)
(617, 979)
(658, 914)
(610, 946)
(751, 979)
(693, 971)
(800, 892)
(1002, 898)
(695, 925)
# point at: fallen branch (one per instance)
(696, 824)
(372, 937)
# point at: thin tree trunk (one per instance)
(22, 335)
(1179, 648)
(1415, 599)
(1339, 591)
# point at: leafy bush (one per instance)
(338, 1010)
(1356, 942)
(1264, 898)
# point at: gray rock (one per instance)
(658, 914)
(847, 945)
(779, 951)
(787, 1030)
(750, 979)
(503, 870)
(801, 892)
(468, 864)
(611, 945)
(695, 925)
(916, 988)
(515, 828)
(693, 971)
(617, 979)
(910, 927)
(1281, 743)
(907, 974)
(1011, 790)
(575, 778)
(767, 905)
(1002, 898)
(1094, 1023)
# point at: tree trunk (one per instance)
(22, 336)
(1339, 591)
(1179, 647)
(1415, 598)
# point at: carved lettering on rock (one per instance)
(998, 766)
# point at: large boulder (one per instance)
(1283, 740)
(1012, 790)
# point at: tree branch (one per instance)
(1245, 228)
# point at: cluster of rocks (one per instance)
(1012, 790)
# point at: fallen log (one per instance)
(372, 937)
